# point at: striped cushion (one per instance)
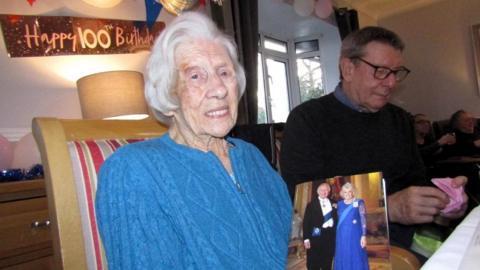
(87, 157)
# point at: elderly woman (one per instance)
(193, 199)
(351, 239)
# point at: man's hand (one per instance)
(415, 205)
(448, 139)
(477, 143)
(420, 204)
(458, 182)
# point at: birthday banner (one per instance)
(27, 36)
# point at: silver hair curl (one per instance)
(349, 187)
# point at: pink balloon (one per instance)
(26, 153)
(6, 153)
(323, 8)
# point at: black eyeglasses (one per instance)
(381, 73)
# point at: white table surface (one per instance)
(461, 250)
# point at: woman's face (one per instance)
(348, 194)
(207, 90)
(422, 125)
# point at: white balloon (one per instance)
(303, 7)
(323, 8)
(25, 153)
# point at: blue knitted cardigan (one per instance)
(162, 205)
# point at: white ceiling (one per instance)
(378, 9)
(278, 18)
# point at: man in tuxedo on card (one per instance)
(319, 224)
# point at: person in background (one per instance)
(467, 134)
(430, 149)
(296, 226)
(319, 222)
(351, 239)
(356, 130)
(193, 198)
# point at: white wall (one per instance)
(46, 86)
(440, 54)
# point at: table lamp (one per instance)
(103, 3)
(112, 95)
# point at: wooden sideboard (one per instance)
(25, 241)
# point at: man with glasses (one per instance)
(356, 130)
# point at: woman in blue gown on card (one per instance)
(351, 240)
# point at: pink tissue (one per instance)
(455, 194)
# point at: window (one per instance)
(278, 86)
(278, 89)
(261, 97)
(309, 72)
(275, 45)
(272, 95)
(306, 46)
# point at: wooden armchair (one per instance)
(72, 152)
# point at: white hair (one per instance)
(161, 70)
(348, 187)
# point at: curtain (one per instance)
(239, 18)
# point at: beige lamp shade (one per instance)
(103, 3)
(112, 94)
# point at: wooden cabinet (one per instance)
(25, 241)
